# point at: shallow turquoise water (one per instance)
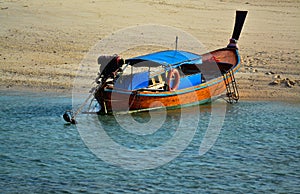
(257, 151)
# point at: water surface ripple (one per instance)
(257, 151)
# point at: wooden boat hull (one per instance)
(117, 100)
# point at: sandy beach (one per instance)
(43, 42)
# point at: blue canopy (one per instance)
(165, 58)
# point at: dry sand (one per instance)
(43, 42)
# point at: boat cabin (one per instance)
(168, 70)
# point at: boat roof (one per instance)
(165, 58)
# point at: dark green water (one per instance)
(257, 151)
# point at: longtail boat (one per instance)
(168, 78)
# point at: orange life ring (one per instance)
(173, 74)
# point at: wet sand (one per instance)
(43, 42)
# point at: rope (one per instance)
(73, 115)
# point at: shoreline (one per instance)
(68, 93)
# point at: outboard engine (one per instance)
(109, 65)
